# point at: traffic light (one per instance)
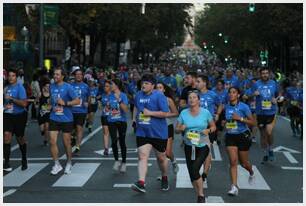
(252, 7)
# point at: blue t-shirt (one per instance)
(232, 82)
(82, 91)
(66, 92)
(223, 95)
(152, 127)
(293, 95)
(209, 101)
(105, 104)
(267, 91)
(232, 126)
(17, 91)
(93, 93)
(132, 90)
(251, 102)
(170, 81)
(116, 113)
(195, 124)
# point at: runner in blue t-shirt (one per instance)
(238, 137)
(196, 123)
(266, 92)
(210, 101)
(150, 112)
(14, 119)
(118, 105)
(132, 90)
(92, 103)
(79, 111)
(105, 106)
(292, 96)
(61, 119)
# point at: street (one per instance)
(93, 180)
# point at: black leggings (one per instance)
(121, 128)
(194, 166)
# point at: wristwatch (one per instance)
(241, 119)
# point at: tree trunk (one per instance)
(117, 54)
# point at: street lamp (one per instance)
(24, 31)
(220, 34)
(212, 46)
(143, 8)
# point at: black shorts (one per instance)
(212, 137)
(171, 131)
(15, 123)
(92, 108)
(65, 127)
(43, 119)
(293, 111)
(159, 144)
(263, 120)
(79, 119)
(104, 121)
(243, 141)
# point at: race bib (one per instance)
(294, 103)
(9, 108)
(44, 109)
(231, 125)
(144, 119)
(266, 105)
(194, 137)
(116, 114)
(59, 110)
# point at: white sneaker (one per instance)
(56, 169)
(123, 167)
(251, 179)
(116, 165)
(68, 168)
(159, 178)
(233, 191)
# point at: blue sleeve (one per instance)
(180, 119)
(71, 92)
(209, 116)
(218, 100)
(247, 110)
(22, 93)
(124, 99)
(163, 103)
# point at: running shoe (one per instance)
(251, 179)
(265, 159)
(116, 165)
(164, 184)
(233, 191)
(175, 167)
(7, 167)
(271, 155)
(138, 187)
(56, 169)
(45, 143)
(68, 168)
(201, 199)
(105, 153)
(24, 164)
(123, 168)
(76, 151)
(86, 125)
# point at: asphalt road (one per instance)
(93, 180)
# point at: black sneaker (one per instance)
(45, 143)
(76, 151)
(164, 185)
(7, 167)
(201, 199)
(86, 125)
(24, 164)
(138, 187)
(89, 130)
(265, 159)
(73, 142)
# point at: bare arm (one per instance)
(173, 110)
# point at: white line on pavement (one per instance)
(80, 174)
(290, 157)
(136, 164)
(285, 118)
(217, 154)
(258, 184)
(122, 185)
(16, 146)
(292, 168)
(9, 192)
(87, 158)
(183, 179)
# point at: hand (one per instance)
(274, 100)
(60, 102)
(256, 93)
(146, 112)
(117, 95)
(8, 97)
(206, 132)
(236, 117)
(182, 127)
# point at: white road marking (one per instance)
(18, 177)
(85, 139)
(290, 157)
(122, 185)
(87, 158)
(292, 168)
(183, 179)
(217, 154)
(285, 118)
(110, 151)
(16, 146)
(259, 183)
(80, 173)
(214, 199)
(280, 148)
(136, 164)
(9, 192)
